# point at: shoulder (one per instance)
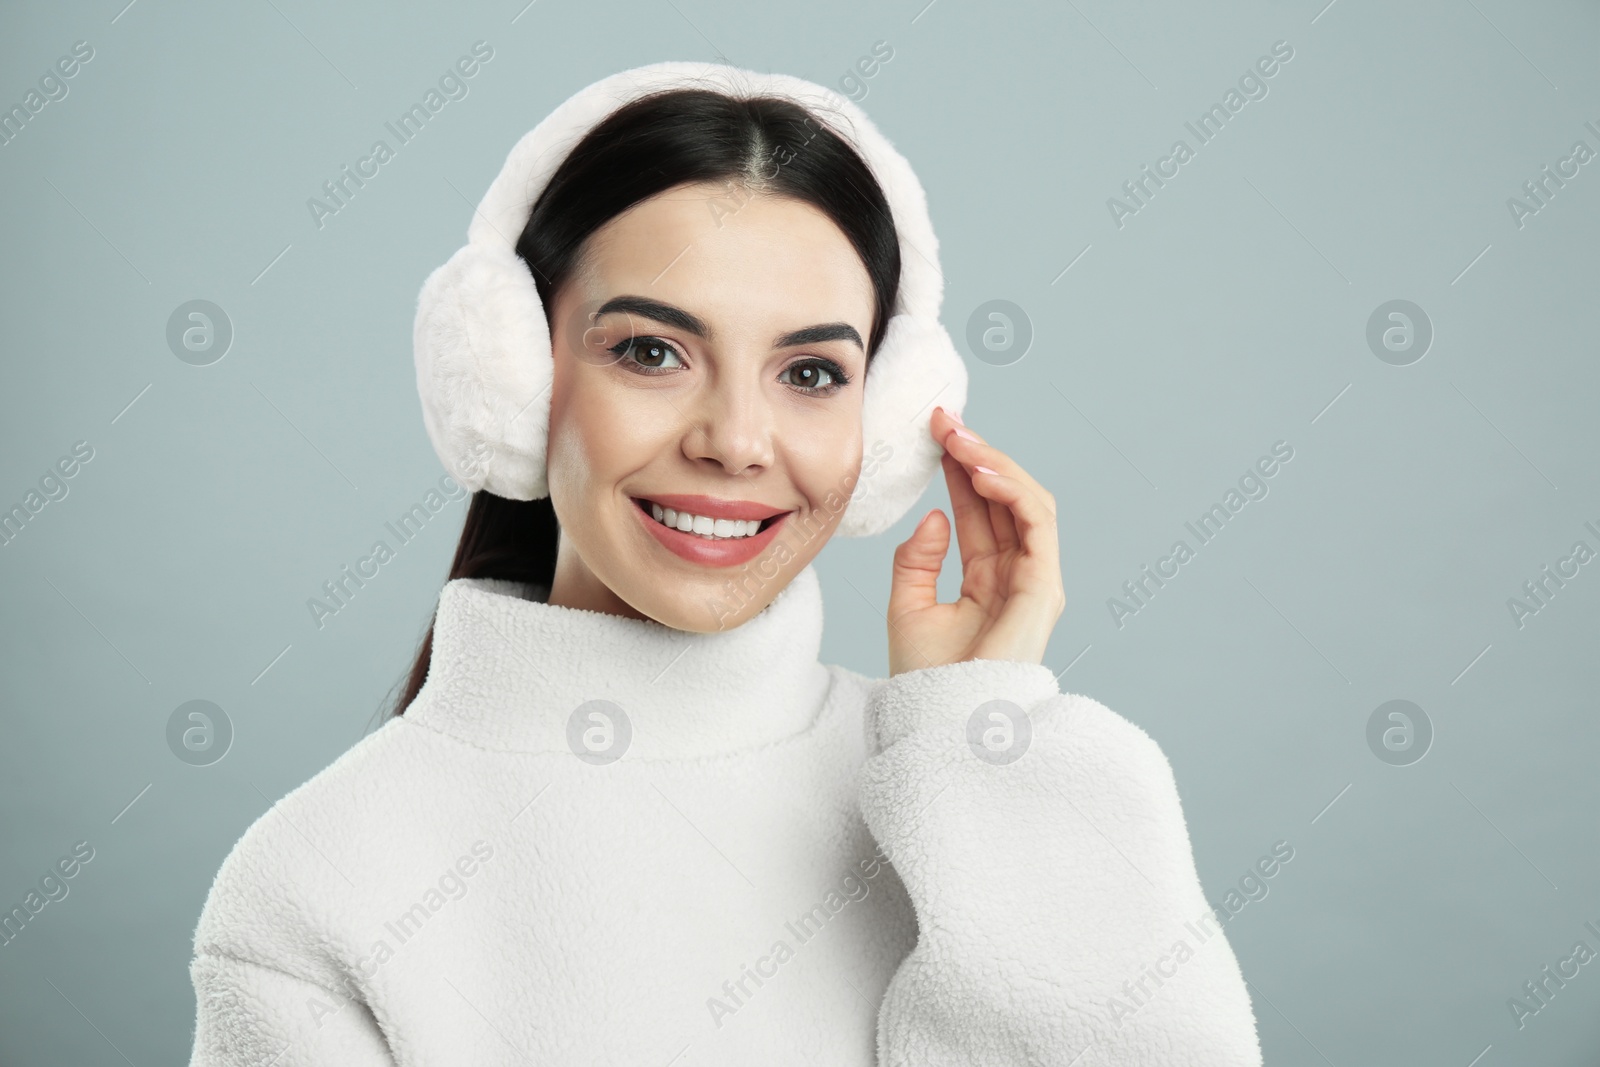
(292, 882)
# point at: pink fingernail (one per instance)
(985, 470)
(965, 433)
(953, 415)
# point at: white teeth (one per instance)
(710, 529)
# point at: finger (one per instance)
(973, 525)
(1002, 531)
(1036, 524)
(973, 521)
(973, 451)
(914, 584)
(1005, 529)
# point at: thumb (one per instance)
(917, 562)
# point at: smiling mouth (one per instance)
(705, 526)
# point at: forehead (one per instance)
(733, 258)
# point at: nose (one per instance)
(730, 425)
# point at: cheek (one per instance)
(599, 434)
(581, 433)
(826, 458)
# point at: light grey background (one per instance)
(1229, 313)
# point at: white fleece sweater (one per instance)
(789, 863)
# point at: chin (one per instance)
(707, 599)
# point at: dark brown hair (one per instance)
(764, 144)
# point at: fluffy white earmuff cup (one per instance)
(915, 368)
(484, 371)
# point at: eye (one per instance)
(822, 377)
(652, 353)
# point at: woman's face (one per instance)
(709, 358)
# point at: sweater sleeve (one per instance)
(1059, 911)
(249, 1015)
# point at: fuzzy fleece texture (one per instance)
(790, 863)
(482, 342)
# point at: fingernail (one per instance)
(985, 470)
(953, 415)
(965, 433)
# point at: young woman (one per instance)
(623, 814)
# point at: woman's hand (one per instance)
(1011, 594)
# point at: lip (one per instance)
(714, 507)
(696, 549)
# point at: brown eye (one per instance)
(646, 354)
(823, 377)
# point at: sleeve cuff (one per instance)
(944, 698)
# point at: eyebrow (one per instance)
(683, 320)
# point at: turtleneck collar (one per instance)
(507, 672)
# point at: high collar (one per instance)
(507, 672)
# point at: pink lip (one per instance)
(729, 552)
(715, 507)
